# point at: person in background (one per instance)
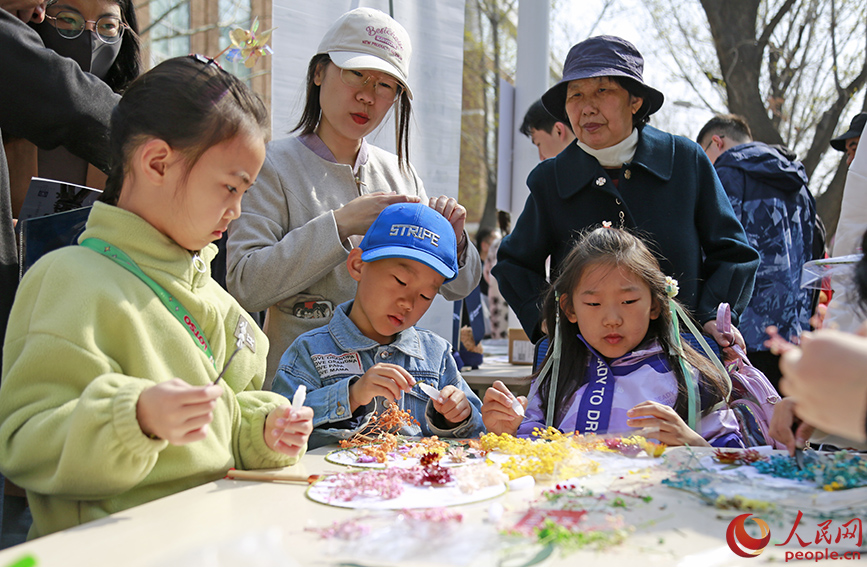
(25, 10)
(549, 135)
(842, 313)
(74, 112)
(485, 237)
(319, 192)
(847, 142)
(371, 353)
(625, 171)
(102, 37)
(609, 309)
(131, 404)
(769, 195)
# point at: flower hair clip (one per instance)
(606, 224)
(671, 287)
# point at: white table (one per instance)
(674, 529)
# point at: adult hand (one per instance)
(356, 216)
(497, 412)
(177, 411)
(781, 426)
(453, 405)
(287, 430)
(825, 376)
(671, 429)
(25, 10)
(456, 215)
(383, 379)
(724, 341)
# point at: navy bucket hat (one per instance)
(603, 56)
(856, 128)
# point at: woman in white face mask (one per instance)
(101, 36)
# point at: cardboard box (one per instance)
(520, 347)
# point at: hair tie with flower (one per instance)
(671, 287)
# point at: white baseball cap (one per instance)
(365, 38)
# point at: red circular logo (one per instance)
(742, 543)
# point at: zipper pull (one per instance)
(199, 264)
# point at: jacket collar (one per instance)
(646, 349)
(155, 253)
(576, 169)
(349, 338)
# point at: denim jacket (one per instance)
(329, 359)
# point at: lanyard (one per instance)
(173, 305)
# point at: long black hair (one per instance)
(312, 109)
(191, 104)
(617, 248)
(128, 65)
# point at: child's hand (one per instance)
(497, 411)
(287, 430)
(383, 379)
(781, 426)
(724, 341)
(453, 405)
(177, 411)
(672, 430)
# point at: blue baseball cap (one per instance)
(416, 232)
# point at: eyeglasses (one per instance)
(711, 142)
(70, 24)
(385, 89)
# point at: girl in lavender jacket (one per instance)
(611, 306)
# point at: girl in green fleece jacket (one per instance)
(108, 396)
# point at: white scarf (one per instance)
(616, 155)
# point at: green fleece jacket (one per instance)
(85, 338)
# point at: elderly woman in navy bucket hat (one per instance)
(624, 171)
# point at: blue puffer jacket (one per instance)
(769, 195)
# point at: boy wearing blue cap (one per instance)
(370, 353)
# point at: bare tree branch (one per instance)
(775, 21)
(163, 16)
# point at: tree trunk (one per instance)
(733, 25)
(828, 203)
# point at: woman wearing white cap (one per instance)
(318, 193)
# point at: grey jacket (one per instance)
(284, 252)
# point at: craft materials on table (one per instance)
(426, 486)
(554, 455)
(831, 484)
(406, 452)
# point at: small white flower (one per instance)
(671, 287)
(606, 224)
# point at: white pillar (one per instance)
(531, 80)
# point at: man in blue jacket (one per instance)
(768, 192)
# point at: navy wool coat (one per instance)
(669, 193)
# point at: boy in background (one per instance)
(371, 353)
(549, 135)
